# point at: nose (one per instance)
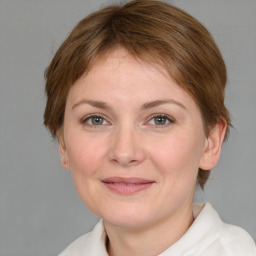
(127, 148)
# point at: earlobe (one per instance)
(63, 152)
(213, 146)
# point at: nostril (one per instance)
(125, 149)
(124, 161)
(114, 161)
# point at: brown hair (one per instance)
(154, 31)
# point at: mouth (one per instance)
(127, 186)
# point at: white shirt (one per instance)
(207, 236)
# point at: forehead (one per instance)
(116, 57)
(119, 69)
(119, 66)
(120, 78)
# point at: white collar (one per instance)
(206, 230)
(206, 221)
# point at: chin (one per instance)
(128, 217)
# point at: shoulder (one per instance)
(92, 243)
(236, 241)
(75, 247)
(229, 240)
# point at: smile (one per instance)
(127, 186)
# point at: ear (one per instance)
(63, 151)
(213, 146)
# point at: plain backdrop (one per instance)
(41, 212)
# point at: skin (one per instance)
(128, 141)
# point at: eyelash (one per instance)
(87, 118)
(168, 118)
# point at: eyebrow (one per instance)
(157, 103)
(145, 106)
(94, 103)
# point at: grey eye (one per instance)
(97, 120)
(94, 121)
(160, 120)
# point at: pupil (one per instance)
(97, 120)
(160, 120)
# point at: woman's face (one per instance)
(134, 141)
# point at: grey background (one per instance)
(40, 210)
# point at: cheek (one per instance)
(85, 154)
(178, 158)
(86, 160)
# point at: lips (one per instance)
(127, 186)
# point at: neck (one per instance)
(150, 240)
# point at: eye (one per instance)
(160, 120)
(94, 120)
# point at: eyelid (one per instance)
(85, 118)
(168, 117)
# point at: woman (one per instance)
(135, 96)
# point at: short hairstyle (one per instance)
(150, 30)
